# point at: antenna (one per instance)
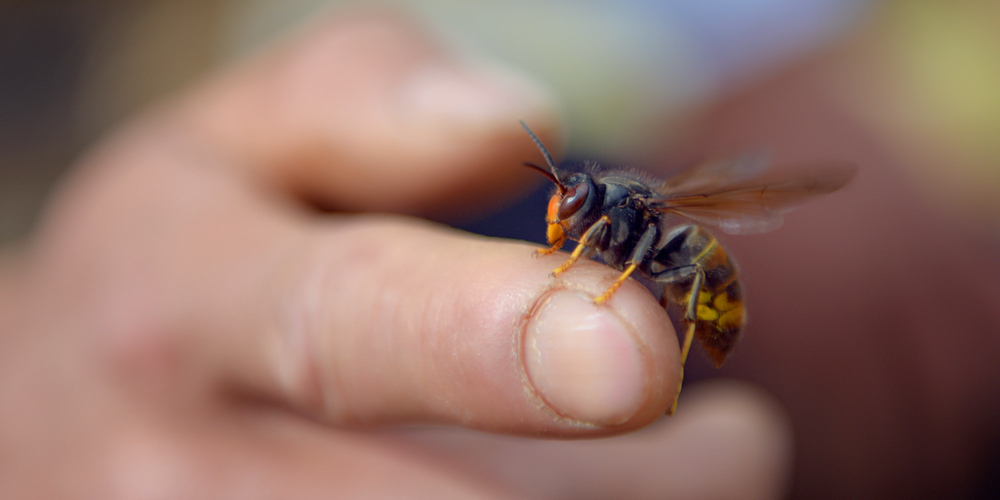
(545, 153)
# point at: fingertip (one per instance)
(743, 432)
(583, 360)
(730, 439)
(602, 365)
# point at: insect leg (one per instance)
(556, 245)
(585, 240)
(688, 338)
(690, 314)
(638, 256)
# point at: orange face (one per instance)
(554, 232)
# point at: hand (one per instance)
(186, 323)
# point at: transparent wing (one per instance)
(716, 174)
(753, 206)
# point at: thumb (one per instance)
(377, 319)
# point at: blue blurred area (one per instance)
(524, 220)
(737, 38)
(627, 69)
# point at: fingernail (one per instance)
(475, 94)
(584, 361)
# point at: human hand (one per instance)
(185, 323)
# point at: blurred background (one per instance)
(875, 313)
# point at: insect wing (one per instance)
(715, 175)
(753, 206)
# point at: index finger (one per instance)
(364, 112)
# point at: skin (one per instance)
(186, 323)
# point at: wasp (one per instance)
(621, 216)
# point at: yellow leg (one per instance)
(688, 338)
(580, 247)
(573, 257)
(552, 249)
(614, 286)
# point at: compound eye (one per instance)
(573, 200)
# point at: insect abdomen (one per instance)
(719, 313)
(720, 319)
